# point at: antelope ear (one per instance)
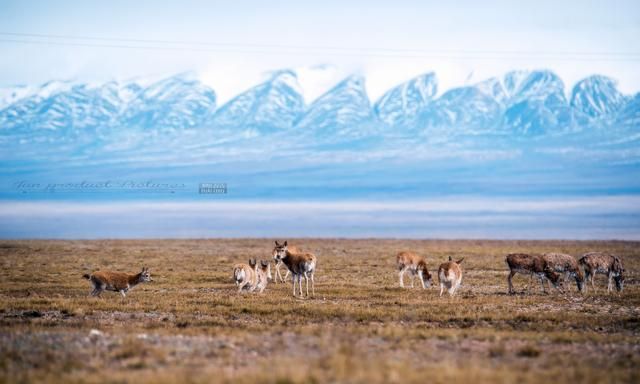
(277, 244)
(450, 259)
(460, 261)
(285, 243)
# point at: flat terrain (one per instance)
(191, 325)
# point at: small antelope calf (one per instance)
(245, 275)
(274, 253)
(567, 264)
(300, 264)
(116, 281)
(606, 264)
(450, 276)
(415, 265)
(263, 271)
(531, 265)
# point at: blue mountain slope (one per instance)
(344, 111)
(536, 104)
(597, 97)
(630, 115)
(66, 112)
(271, 106)
(461, 109)
(401, 106)
(181, 111)
(174, 103)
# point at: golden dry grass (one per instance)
(191, 325)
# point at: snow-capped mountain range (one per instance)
(525, 103)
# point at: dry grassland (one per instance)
(190, 325)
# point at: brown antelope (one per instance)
(531, 265)
(246, 276)
(415, 265)
(450, 276)
(263, 271)
(606, 264)
(300, 264)
(567, 265)
(116, 281)
(274, 253)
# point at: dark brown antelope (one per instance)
(292, 249)
(450, 276)
(567, 265)
(116, 281)
(300, 264)
(533, 265)
(415, 265)
(606, 264)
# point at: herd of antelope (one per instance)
(254, 276)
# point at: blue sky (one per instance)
(463, 42)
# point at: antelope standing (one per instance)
(116, 281)
(292, 249)
(566, 264)
(415, 265)
(606, 264)
(300, 264)
(531, 265)
(246, 276)
(450, 276)
(263, 271)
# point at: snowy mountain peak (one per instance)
(463, 109)
(533, 85)
(173, 103)
(597, 96)
(272, 105)
(52, 87)
(519, 103)
(403, 103)
(9, 95)
(516, 86)
(342, 111)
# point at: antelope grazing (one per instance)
(263, 271)
(415, 265)
(450, 276)
(246, 275)
(116, 281)
(606, 264)
(530, 265)
(292, 249)
(563, 263)
(300, 264)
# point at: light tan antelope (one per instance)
(301, 265)
(531, 265)
(450, 276)
(567, 265)
(415, 265)
(246, 276)
(116, 281)
(263, 271)
(292, 249)
(606, 264)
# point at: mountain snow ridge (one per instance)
(525, 103)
